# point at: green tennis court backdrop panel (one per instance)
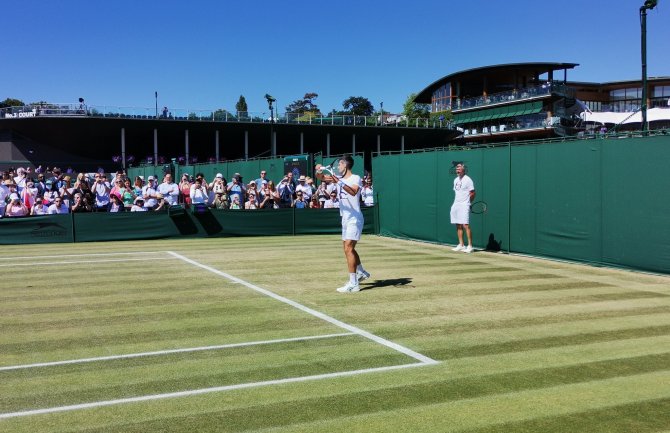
(102, 226)
(601, 201)
(636, 203)
(36, 230)
(415, 193)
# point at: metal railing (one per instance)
(512, 95)
(107, 111)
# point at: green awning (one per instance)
(498, 112)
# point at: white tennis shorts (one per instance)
(460, 213)
(352, 229)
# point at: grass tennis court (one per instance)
(249, 334)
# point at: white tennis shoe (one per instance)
(362, 275)
(468, 249)
(349, 288)
(458, 248)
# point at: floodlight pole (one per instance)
(156, 95)
(648, 4)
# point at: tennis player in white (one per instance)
(464, 194)
(349, 187)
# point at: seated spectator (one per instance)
(4, 194)
(51, 193)
(185, 190)
(198, 193)
(82, 203)
(117, 188)
(251, 189)
(304, 188)
(128, 194)
(332, 202)
(220, 200)
(149, 193)
(315, 203)
(115, 204)
(268, 196)
(235, 204)
(139, 205)
(169, 190)
(39, 208)
(299, 202)
(162, 205)
(138, 184)
(251, 202)
(15, 208)
(58, 207)
(30, 193)
(367, 194)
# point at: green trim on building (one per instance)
(498, 112)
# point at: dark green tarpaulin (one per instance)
(498, 112)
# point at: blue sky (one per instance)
(205, 54)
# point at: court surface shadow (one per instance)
(395, 282)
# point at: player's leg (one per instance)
(455, 219)
(468, 232)
(351, 233)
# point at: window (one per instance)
(661, 91)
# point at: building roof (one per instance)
(499, 73)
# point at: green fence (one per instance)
(599, 201)
(90, 227)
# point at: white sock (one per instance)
(360, 268)
(353, 279)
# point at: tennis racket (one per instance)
(330, 170)
(479, 207)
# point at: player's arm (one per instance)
(472, 196)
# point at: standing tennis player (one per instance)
(349, 188)
(464, 194)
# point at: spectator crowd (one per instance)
(24, 192)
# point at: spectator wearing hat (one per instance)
(304, 188)
(101, 191)
(185, 190)
(38, 207)
(218, 195)
(115, 204)
(149, 193)
(51, 192)
(169, 190)
(139, 205)
(236, 188)
(15, 208)
(81, 203)
(251, 189)
(58, 207)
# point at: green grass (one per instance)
(525, 345)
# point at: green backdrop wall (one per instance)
(601, 201)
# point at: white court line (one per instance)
(204, 391)
(395, 346)
(7, 265)
(81, 255)
(171, 351)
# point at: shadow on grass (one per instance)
(378, 284)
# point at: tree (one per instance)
(357, 106)
(11, 102)
(241, 106)
(223, 115)
(305, 105)
(412, 110)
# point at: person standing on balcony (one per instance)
(464, 194)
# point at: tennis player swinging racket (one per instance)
(349, 188)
